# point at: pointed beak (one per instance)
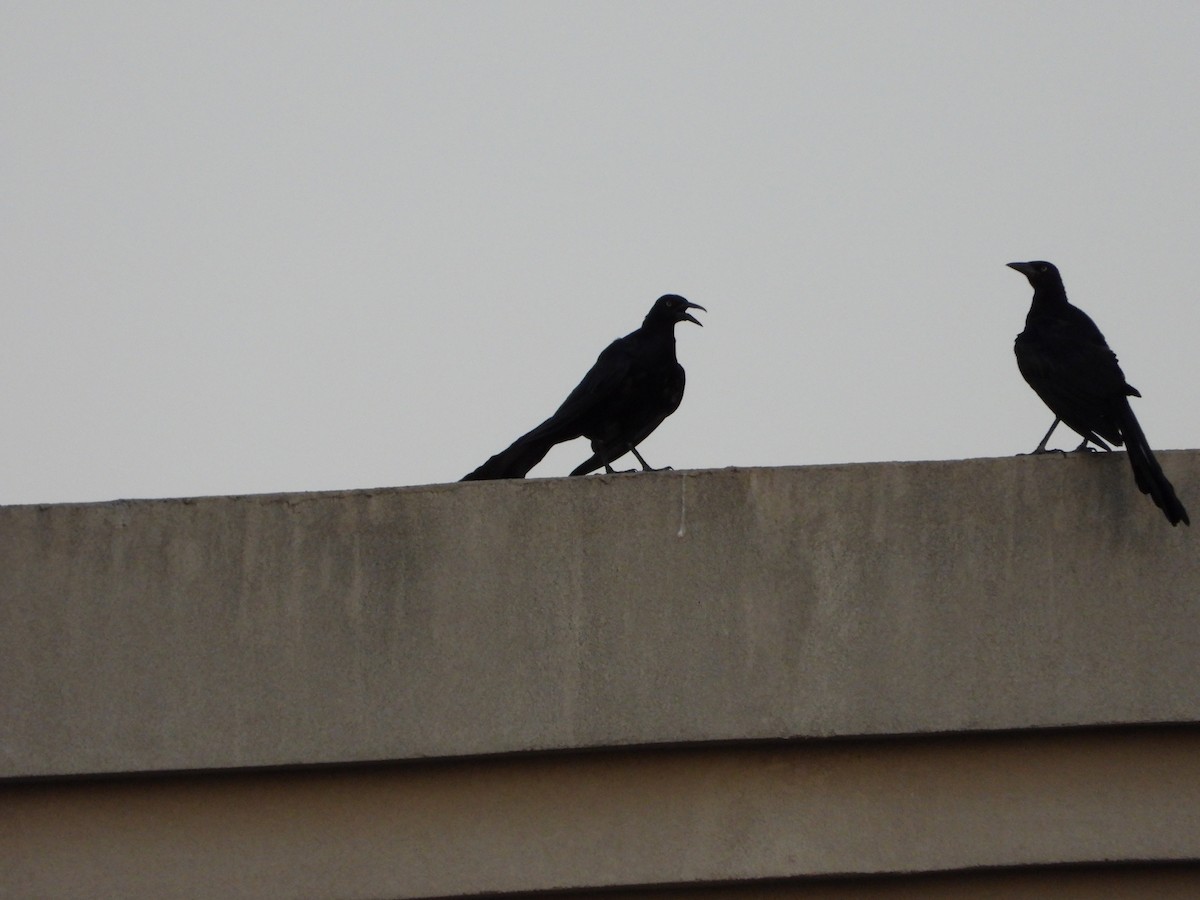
(692, 318)
(1024, 268)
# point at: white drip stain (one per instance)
(682, 506)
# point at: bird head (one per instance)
(1039, 272)
(673, 308)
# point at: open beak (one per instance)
(689, 317)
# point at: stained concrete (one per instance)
(678, 607)
(793, 813)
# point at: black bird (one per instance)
(1066, 360)
(635, 384)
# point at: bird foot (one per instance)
(1042, 451)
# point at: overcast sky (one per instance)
(308, 246)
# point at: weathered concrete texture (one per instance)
(719, 815)
(554, 614)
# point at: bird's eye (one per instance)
(1041, 268)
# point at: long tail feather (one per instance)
(516, 460)
(1147, 472)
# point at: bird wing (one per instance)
(604, 380)
(639, 419)
(1074, 371)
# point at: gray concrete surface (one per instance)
(486, 618)
(697, 817)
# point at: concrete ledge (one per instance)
(561, 614)
(680, 818)
(1112, 882)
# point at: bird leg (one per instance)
(1041, 448)
(611, 471)
(646, 467)
(1084, 448)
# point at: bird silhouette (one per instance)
(1066, 360)
(634, 385)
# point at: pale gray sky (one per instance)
(306, 246)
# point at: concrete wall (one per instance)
(855, 603)
(676, 817)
